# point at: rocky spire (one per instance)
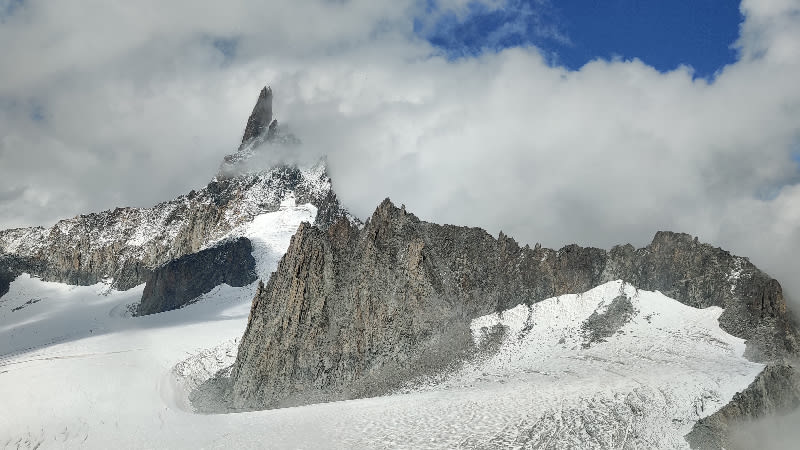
(261, 117)
(261, 129)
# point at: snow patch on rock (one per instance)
(645, 386)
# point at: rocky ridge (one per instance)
(355, 312)
(128, 244)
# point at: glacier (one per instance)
(125, 380)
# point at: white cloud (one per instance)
(138, 105)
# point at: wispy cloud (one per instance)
(470, 28)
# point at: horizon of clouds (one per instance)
(106, 105)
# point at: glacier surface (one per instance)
(77, 371)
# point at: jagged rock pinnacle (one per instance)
(261, 129)
(261, 117)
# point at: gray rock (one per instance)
(176, 283)
(356, 312)
(775, 391)
(602, 325)
(261, 118)
(127, 244)
(12, 266)
(6, 277)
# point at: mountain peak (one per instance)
(261, 128)
(261, 117)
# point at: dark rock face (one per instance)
(127, 244)
(176, 283)
(600, 326)
(264, 142)
(776, 390)
(261, 118)
(6, 277)
(12, 266)
(349, 309)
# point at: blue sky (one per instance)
(698, 33)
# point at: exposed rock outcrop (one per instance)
(261, 118)
(603, 324)
(776, 390)
(353, 312)
(126, 244)
(12, 266)
(261, 129)
(176, 283)
(6, 277)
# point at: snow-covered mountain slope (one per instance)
(35, 313)
(612, 367)
(38, 313)
(358, 312)
(125, 244)
(558, 379)
(270, 233)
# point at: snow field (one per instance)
(80, 373)
(645, 386)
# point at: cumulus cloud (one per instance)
(106, 104)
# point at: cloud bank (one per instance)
(104, 104)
